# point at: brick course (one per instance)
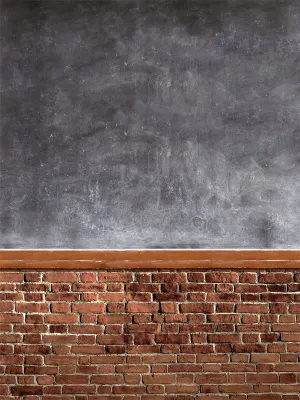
(150, 335)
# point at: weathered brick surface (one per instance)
(150, 335)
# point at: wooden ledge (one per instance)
(147, 259)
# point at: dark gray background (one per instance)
(150, 124)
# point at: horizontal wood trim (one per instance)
(148, 259)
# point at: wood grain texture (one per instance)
(148, 259)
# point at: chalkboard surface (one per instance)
(150, 124)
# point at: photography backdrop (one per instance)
(150, 124)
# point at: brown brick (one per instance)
(276, 277)
(195, 277)
(230, 338)
(32, 307)
(115, 277)
(60, 277)
(11, 277)
(221, 277)
(224, 338)
(174, 339)
(78, 389)
(89, 277)
(60, 308)
(89, 308)
(71, 379)
(142, 307)
(197, 308)
(224, 297)
(249, 348)
(26, 390)
(159, 379)
(142, 287)
(211, 378)
(169, 277)
(277, 297)
(252, 308)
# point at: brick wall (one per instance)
(150, 335)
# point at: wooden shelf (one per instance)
(148, 259)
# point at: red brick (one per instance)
(32, 349)
(78, 389)
(6, 287)
(114, 339)
(11, 277)
(224, 287)
(277, 297)
(196, 287)
(236, 388)
(223, 318)
(169, 297)
(89, 308)
(197, 348)
(128, 389)
(142, 307)
(174, 339)
(249, 348)
(61, 319)
(162, 346)
(59, 360)
(290, 337)
(33, 276)
(225, 308)
(288, 378)
(71, 379)
(143, 338)
(88, 287)
(89, 277)
(224, 338)
(211, 378)
(146, 297)
(142, 287)
(60, 339)
(60, 308)
(60, 277)
(277, 277)
(143, 277)
(107, 379)
(169, 277)
(252, 308)
(295, 308)
(6, 306)
(115, 276)
(114, 319)
(221, 277)
(11, 318)
(39, 297)
(62, 296)
(251, 288)
(248, 277)
(182, 388)
(32, 307)
(33, 287)
(286, 327)
(196, 297)
(197, 308)
(224, 297)
(26, 390)
(169, 308)
(159, 379)
(265, 396)
(195, 277)
(262, 378)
